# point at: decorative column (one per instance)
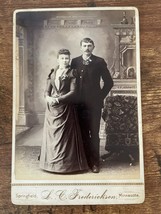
(124, 41)
(123, 69)
(22, 114)
(115, 68)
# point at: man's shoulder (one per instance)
(77, 58)
(97, 58)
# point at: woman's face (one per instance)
(63, 60)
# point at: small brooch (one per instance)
(86, 62)
(64, 77)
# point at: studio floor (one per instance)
(116, 167)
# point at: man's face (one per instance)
(87, 48)
(63, 60)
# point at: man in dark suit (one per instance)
(90, 69)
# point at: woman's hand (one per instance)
(49, 99)
(52, 101)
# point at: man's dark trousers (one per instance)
(89, 120)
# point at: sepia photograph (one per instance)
(77, 121)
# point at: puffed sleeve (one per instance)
(48, 85)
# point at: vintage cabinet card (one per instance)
(77, 124)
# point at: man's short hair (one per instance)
(87, 40)
(63, 51)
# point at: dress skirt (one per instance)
(62, 148)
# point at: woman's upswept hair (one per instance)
(63, 51)
(86, 40)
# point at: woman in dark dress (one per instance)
(62, 148)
